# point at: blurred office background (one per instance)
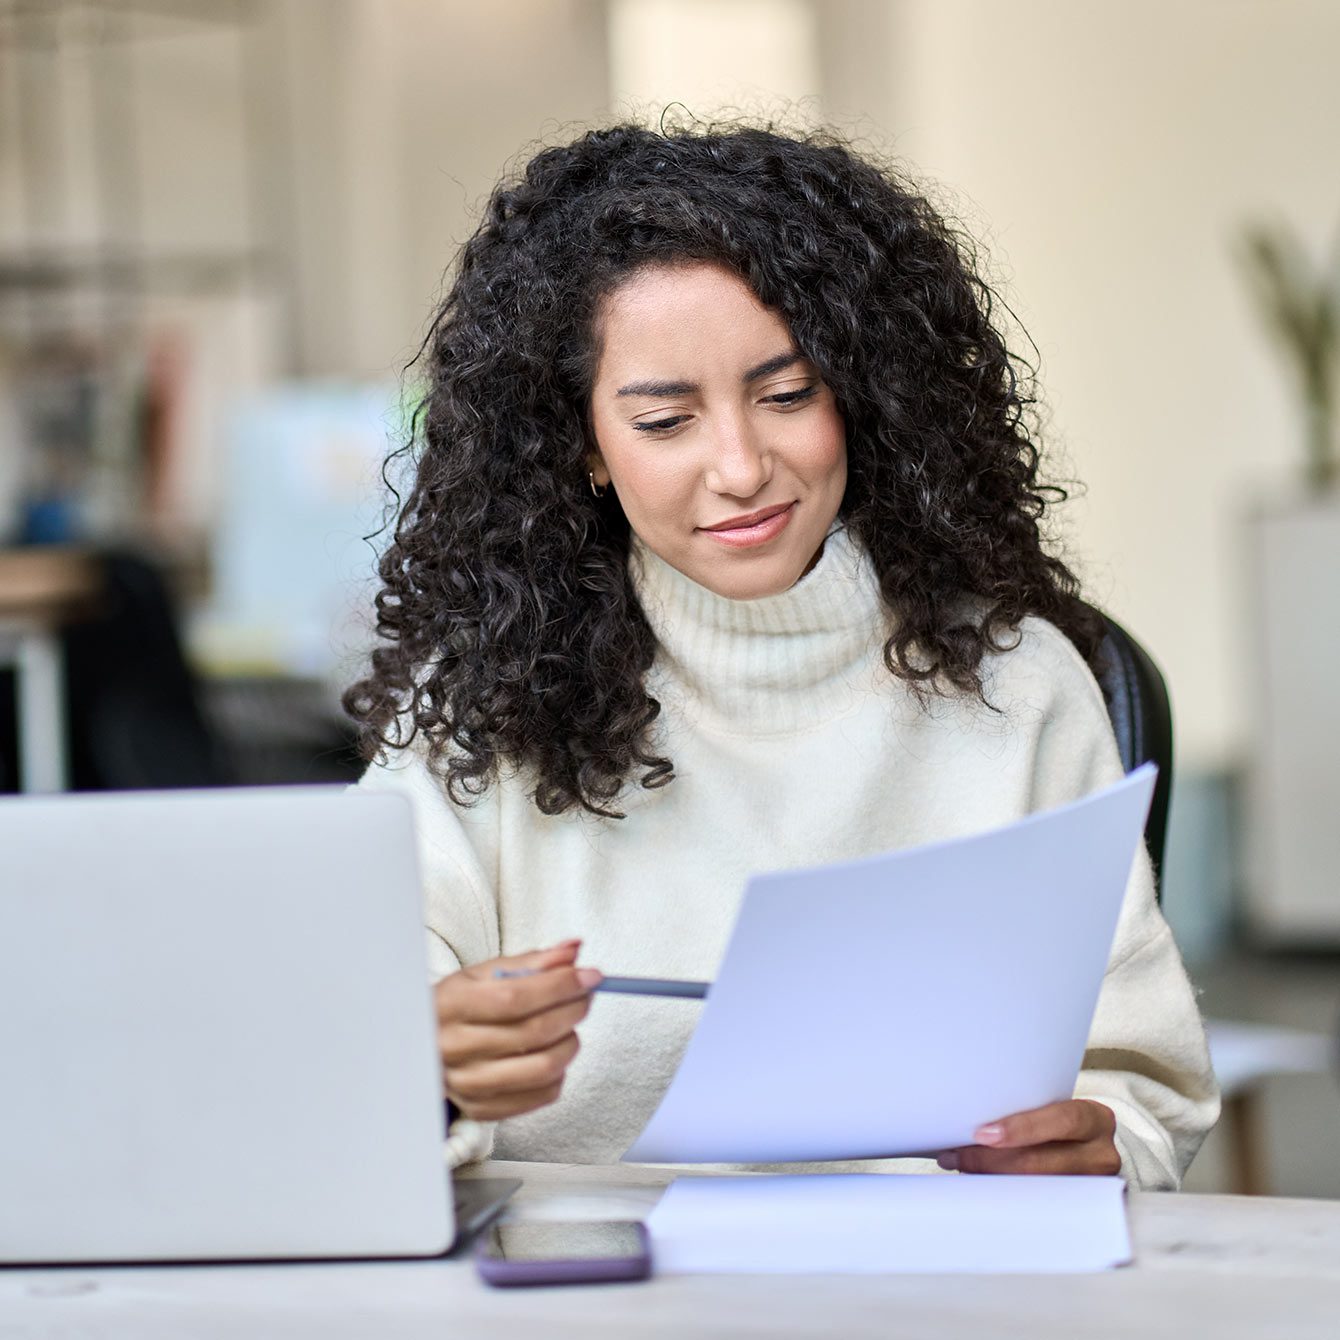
(223, 224)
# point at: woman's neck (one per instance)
(773, 665)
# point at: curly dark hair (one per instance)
(512, 630)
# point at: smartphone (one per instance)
(554, 1252)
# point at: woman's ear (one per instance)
(596, 467)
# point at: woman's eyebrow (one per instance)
(774, 364)
(769, 365)
(659, 388)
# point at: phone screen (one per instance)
(540, 1241)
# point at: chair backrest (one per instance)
(133, 703)
(1141, 715)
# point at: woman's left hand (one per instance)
(1075, 1136)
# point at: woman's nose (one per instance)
(740, 465)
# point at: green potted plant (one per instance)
(1299, 303)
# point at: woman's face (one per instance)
(705, 413)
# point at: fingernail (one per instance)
(589, 977)
(990, 1135)
(948, 1161)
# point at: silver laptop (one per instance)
(216, 1032)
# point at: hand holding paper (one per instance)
(959, 983)
(1076, 1135)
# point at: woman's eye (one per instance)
(661, 425)
(781, 398)
(791, 397)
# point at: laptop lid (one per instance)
(216, 1031)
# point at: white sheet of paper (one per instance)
(868, 1223)
(892, 1005)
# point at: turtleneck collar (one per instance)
(770, 666)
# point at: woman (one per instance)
(723, 555)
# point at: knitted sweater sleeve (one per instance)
(457, 851)
(1147, 1057)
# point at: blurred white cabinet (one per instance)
(1293, 785)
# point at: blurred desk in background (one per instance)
(41, 590)
(1245, 1056)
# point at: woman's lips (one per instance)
(744, 537)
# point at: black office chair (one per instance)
(133, 705)
(1141, 715)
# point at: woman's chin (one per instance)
(761, 576)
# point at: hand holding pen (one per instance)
(506, 1030)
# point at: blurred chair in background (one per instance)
(133, 705)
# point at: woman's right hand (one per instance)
(506, 1043)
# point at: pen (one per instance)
(632, 986)
(654, 986)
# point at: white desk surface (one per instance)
(1207, 1266)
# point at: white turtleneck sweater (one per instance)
(793, 746)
